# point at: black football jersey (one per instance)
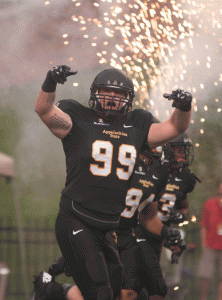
(175, 191)
(144, 187)
(100, 157)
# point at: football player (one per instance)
(101, 144)
(172, 209)
(149, 176)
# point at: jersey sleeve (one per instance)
(189, 179)
(74, 109)
(142, 120)
(69, 106)
(182, 203)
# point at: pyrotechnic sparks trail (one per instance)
(156, 43)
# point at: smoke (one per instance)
(31, 40)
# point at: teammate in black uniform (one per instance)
(101, 144)
(149, 177)
(172, 208)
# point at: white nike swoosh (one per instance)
(126, 126)
(177, 179)
(140, 240)
(154, 177)
(75, 232)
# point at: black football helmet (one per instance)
(179, 150)
(117, 80)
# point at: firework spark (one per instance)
(156, 43)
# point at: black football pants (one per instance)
(92, 259)
(151, 275)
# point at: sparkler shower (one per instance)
(161, 44)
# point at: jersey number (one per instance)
(133, 198)
(102, 151)
(166, 201)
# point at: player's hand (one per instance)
(60, 73)
(59, 267)
(176, 217)
(181, 99)
(177, 251)
(171, 236)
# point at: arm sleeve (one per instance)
(72, 108)
(182, 204)
(143, 121)
(190, 180)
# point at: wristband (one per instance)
(186, 107)
(49, 85)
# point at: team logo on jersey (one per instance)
(140, 172)
(115, 134)
(146, 183)
(172, 187)
(101, 122)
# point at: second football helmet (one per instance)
(112, 79)
(179, 150)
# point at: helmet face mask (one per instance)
(118, 102)
(150, 156)
(180, 151)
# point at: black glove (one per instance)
(56, 75)
(176, 217)
(177, 251)
(171, 236)
(181, 99)
(59, 267)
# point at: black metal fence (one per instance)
(40, 249)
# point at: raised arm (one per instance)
(178, 123)
(55, 119)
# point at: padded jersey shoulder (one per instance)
(74, 108)
(140, 114)
(142, 120)
(68, 104)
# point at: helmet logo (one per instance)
(115, 82)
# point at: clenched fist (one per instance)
(181, 99)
